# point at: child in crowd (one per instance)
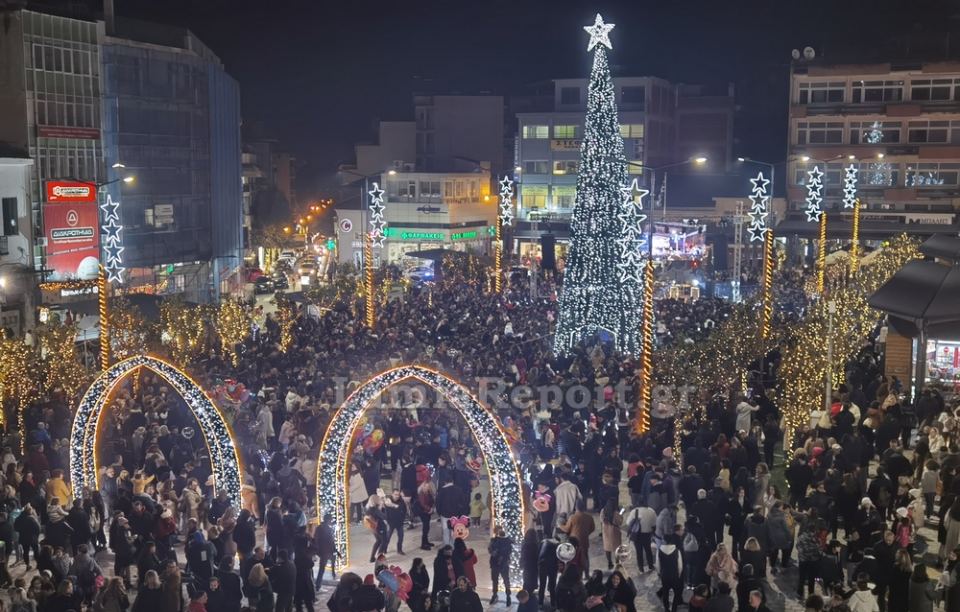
(476, 509)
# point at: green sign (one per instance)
(464, 235)
(392, 232)
(331, 244)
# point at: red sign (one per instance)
(63, 131)
(71, 191)
(73, 239)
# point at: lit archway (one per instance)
(333, 463)
(84, 436)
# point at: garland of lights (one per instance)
(233, 327)
(498, 257)
(593, 299)
(766, 312)
(822, 253)
(111, 241)
(759, 208)
(69, 285)
(368, 297)
(814, 197)
(84, 463)
(184, 329)
(855, 239)
(642, 423)
(286, 318)
(103, 310)
(334, 460)
(506, 200)
(377, 223)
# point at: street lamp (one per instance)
(696, 161)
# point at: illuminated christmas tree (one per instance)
(601, 284)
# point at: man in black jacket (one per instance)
(451, 502)
(283, 579)
(396, 510)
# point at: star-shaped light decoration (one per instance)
(377, 223)
(599, 33)
(112, 252)
(814, 198)
(850, 186)
(506, 201)
(111, 231)
(632, 240)
(109, 209)
(114, 272)
(758, 208)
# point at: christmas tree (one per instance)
(601, 282)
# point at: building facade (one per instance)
(423, 210)
(17, 295)
(898, 124)
(660, 123)
(146, 101)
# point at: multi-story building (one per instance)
(151, 99)
(16, 265)
(453, 133)
(660, 122)
(898, 123)
(423, 210)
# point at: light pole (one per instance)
(697, 161)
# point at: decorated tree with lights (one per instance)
(62, 369)
(602, 276)
(233, 327)
(130, 333)
(184, 329)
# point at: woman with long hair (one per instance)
(421, 585)
(112, 597)
(375, 519)
(621, 593)
(922, 595)
(951, 529)
(258, 590)
(900, 581)
(610, 530)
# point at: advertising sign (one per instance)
(63, 131)
(73, 239)
(71, 191)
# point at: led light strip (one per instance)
(633, 240)
(759, 208)
(506, 201)
(112, 243)
(814, 197)
(377, 223)
(333, 462)
(84, 435)
(850, 186)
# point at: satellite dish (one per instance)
(809, 53)
(795, 54)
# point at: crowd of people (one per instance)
(707, 516)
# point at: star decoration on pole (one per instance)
(759, 208)
(599, 33)
(377, 223)
(850, 186)
(111, 242)
(506, 201)
(633, 240)
(814, 198)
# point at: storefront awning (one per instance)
(922, 294)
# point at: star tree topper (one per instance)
(599, 33)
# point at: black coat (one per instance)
(452, 501)
(232, 589)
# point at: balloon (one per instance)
(459, 527)
(566, 552)
(541, 501)
(372, 443)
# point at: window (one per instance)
(638, 148)
(407, 189)
(536, 167)
(933, 175)
(928, 131)
(821, 93)
(429, 189)
(536, 131)
(565, 166)
(632, 94)
(931, 89)
(878, 174)
(564, 131)
(564, 196)
(873, 132)
(819, 132)
(569, 95)
(635, 166)
(631, 130)
(10, 217)
(877, 91)
(533, 196)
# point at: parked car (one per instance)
(263, 284)
(253, 274)
(280, 282)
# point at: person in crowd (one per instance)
(500, 550)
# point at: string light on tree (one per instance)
(593, 300)
(377, 223)
(233, 327)
(759, 208)
(850, 186)
(814, 196)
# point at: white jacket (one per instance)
(567, 495)
(646, 516)
(863, 601)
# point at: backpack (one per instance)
(690, 543)
(633, 528)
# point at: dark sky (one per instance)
(319, 74)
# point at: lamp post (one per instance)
(102, 282)
(767, 281)
(369, 302)
(646, 314)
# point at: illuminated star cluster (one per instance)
(333, 464)
(633, 240)
(850, 186)
(599, 33)
(506, 201)
(84, 463)
(814, 195)
(377, 224)
(112, 243)
(759, 208)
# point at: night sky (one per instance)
(318, 75)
